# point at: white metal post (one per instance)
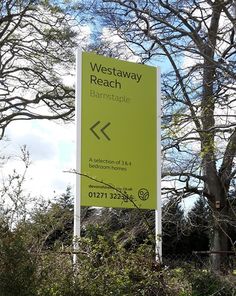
(78, 100)
(158, 212)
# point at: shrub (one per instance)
(207, 283)
(106, 268)
(17, 266)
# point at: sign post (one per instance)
(118, 135)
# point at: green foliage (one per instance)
(104, 267)
(56, 276)
(17, 266)
(173, 228)
(50, 224)
(198, 226)
(135, 226)
(115, 257)
(207, 283)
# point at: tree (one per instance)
(50, 224)
(37, 39)
(173, 228)
(17, 266)
(197, 39)
(14, 201)
(199, 226)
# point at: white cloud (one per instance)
(118, 44)
(52, 151)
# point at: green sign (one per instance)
(118, 133)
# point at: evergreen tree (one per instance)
(198, 224)
(173, 228)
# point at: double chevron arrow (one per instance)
(102, 130)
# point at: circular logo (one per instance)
(143, 194)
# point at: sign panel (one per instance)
(117, 133)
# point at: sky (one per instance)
(51, 146)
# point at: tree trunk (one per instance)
(219, 241)
(214, 185)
